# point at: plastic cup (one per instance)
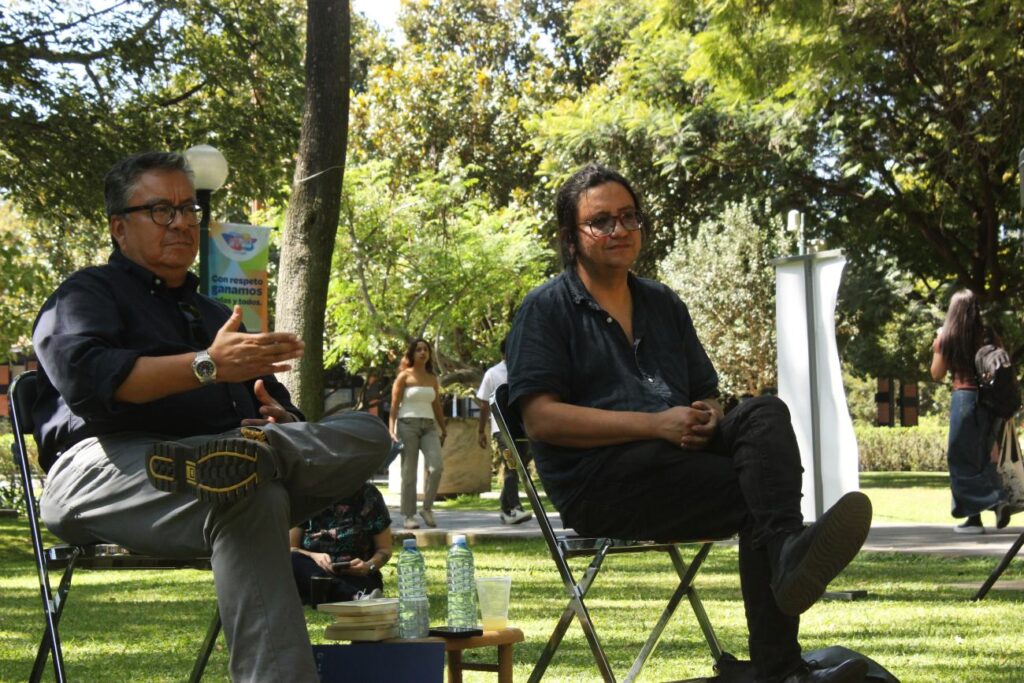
(493, 593)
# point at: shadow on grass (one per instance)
(904, 480)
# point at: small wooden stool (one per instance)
(503, 639)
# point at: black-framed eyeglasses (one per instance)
(163, 213)
(603, 224)
(196, 330)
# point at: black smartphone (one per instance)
(455, 631)
(343, 564)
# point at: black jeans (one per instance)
(747, 482)
(343, 586)
(509, 498)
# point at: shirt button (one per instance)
(650, 379)
(158, 281)
(609, 319)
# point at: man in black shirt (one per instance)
(164, 430)
(619, 399)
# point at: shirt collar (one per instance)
(147, 277)
(578, 291)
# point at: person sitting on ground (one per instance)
(163, 429)
(348, 543)
(511, 510)
(618, 398)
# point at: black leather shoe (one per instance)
(850, 671)
(811, 558)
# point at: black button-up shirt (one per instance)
(562, 342)
(88, 336)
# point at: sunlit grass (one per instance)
(147, 626)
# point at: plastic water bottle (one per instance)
(461, 585)
(413, 608)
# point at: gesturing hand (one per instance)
(270, 409)
(241, 356)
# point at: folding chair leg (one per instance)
(207, 647)
(1000, 568)
(54, 607)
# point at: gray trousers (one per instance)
(98, 492)
(419, 434)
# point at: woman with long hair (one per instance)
(418, 423)
(973, 429)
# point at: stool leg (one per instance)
(455, 666)
(505, 664)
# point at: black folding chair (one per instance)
(565, 546)
(22, 395)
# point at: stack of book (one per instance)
(373, 619)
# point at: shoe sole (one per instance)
(835, 544)
(219, 471)
(970, 531)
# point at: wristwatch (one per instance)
(204, 368)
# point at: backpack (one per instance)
(998, 391)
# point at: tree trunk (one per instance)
(312, 219)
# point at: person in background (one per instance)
(487, 435)
(418, 423)
(973, 478)
(348, 542)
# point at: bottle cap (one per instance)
(458, 539)
(409, 543)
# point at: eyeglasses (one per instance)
(163, 213)
(604, 224)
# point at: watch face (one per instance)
(205, 368)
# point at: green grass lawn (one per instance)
(146, 626)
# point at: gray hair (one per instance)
(121, 180)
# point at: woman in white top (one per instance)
(417, 421)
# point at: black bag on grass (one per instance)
(732, 670)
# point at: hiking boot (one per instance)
(971, 525)
(217, 471)
(808, 560)
(1002, 515)
(850, 671)
(516, 516)
(428, 518)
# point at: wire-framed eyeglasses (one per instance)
(603, 224)
(163, 213)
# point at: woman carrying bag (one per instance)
(973, 429)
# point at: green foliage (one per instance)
(26, 278)
(902, 449)
(439, 260)
(724, 275)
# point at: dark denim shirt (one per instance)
(562, 342)
(88, 336)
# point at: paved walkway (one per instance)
(932, 539)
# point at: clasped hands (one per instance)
(690, 427)
(356, 566)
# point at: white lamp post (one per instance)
(210, 170)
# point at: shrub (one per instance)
(902, 449)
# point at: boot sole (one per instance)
(219, 471)
(836, 543)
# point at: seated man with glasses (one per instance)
(163, 429)
(618, 398)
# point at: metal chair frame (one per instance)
(68, 557)
(565, 546)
